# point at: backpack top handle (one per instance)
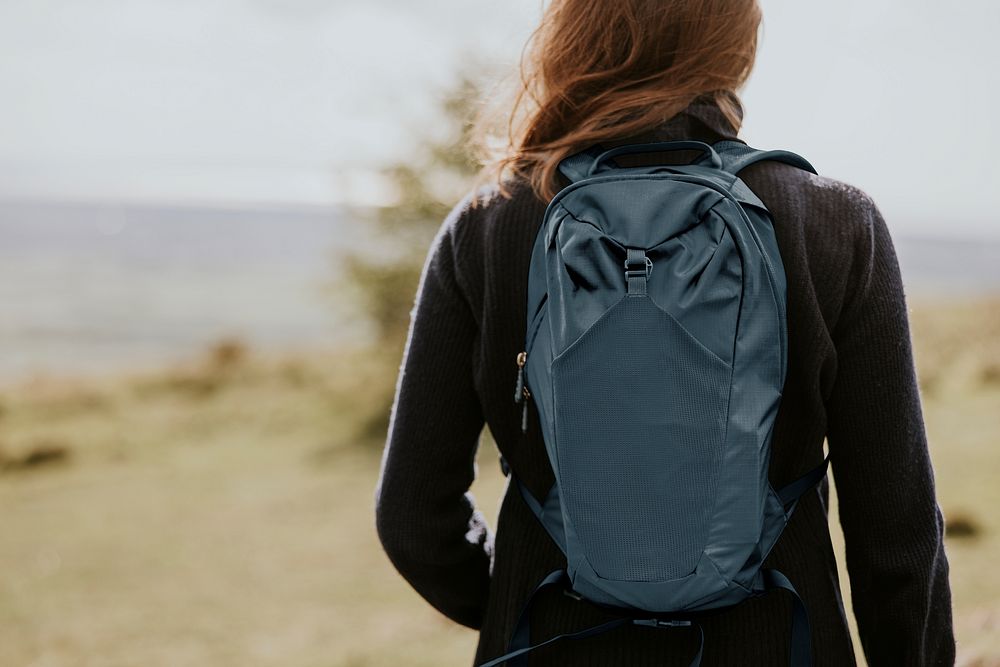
(659, 146)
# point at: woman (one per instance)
(635, 71)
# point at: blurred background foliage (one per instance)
(380, 287)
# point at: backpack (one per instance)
(655, 356)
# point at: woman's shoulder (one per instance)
(490, 217)
(489, 231)
(831, 222)
(823, 203)
(492, 202)
(831, 232)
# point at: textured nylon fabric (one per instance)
(639, 468)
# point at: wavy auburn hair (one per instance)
(595, 70)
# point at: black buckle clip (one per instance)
(661, 623)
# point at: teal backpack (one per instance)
(655, 356)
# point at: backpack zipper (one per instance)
(521, 392)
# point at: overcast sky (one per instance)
(245, 101)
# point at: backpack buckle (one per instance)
(646, 268)
(661, 623)
(638, 268)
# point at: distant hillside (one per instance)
(101, 286)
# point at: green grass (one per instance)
(221, 513)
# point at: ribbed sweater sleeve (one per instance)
(427, 521)
(892, 525)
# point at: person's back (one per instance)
(850, 380)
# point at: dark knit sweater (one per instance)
(851, 380)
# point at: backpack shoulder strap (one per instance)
(548, 510)
(737, 156)
(575, 167)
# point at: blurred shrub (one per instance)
(381, 288)
(227, 353)
(223, 363)
(41, 453)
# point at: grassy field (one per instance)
(221, 513)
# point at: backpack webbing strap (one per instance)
(658, 623)
(790, 493)
(637, 269)
(575, 167)
(801, 644)
(520, 641)
(737, 156)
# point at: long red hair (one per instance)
(595, 70)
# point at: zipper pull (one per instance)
(522, 358)
(521, 392)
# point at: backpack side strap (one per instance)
(737, 156)
(790, 493)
